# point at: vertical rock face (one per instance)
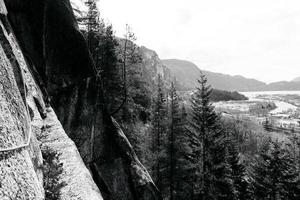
(62, 67)
(27, 128)
(154, 65)
(18, 168)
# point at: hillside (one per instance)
(297, 79)
(187, 73)
(283, 85)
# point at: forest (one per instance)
(190, 150)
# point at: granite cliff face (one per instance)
(153, 65)
(26, 118)
(48, 93)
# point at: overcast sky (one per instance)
(254, 38)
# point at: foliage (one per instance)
(248, 135)
(190, 152)
(159, 121)
(179, 166)
(52, 171)
(103, 48)
(209, 149)
(222, 95)
(275, 174)
(238, 175)
(262, 108)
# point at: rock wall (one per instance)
(20, 176)
(60, 64)
(23, 116)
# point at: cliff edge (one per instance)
(47, 95)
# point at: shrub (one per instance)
(52, 170)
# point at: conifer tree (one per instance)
(159, 131)
(177, 147)
(107, 61)
(178, 150)
(92, 24)
(103, 47)
(128, 57)
(209, 144)
(275, 174)
(241, 190)
(175, 129)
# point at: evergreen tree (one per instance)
(129, 60)
(107, 61)
(93, 25)
(275, 174)
(176, 146)
(103, 48)
(175, 129)
(178, 150)
(209, 143)
(238, 173)
(159, 131)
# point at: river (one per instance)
(280, 98)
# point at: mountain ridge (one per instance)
(297, 79)
(186, 72)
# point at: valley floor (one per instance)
(276, 111)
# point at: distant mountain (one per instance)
(296, 79)
(187, 73)
(152, 66)
(283, 85)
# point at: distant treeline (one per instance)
(222, 95)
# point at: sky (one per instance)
(254, 38)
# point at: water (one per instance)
(282, 106)
(254, 94)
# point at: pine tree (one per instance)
(107, 61)
(175, 129)
(275, 174)
(159, 131)
(241, 188)
(129, 58)
(178, 150)
(177, 147)
(92, 24)
(209, 144)
(103, 47)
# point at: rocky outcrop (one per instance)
(61, 65)
(51, 41)
(153, 65)
(27, 128)
(20, 174)
(79, 183)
